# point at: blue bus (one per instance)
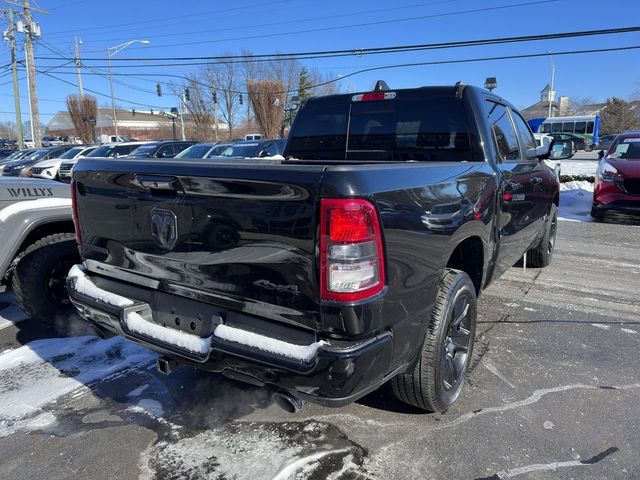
(587, 126)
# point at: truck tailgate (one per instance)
(207, 230)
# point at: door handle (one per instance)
(535, 180)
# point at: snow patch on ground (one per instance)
(138, 391)
(577, 167)
(148, 406)
(41, 372)
(257, 451)
(575, 201)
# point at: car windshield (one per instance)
(71, 153)
(37, 155)
(102, 151)
(144, 151)
(217, 150)
(195, 151)
(242, 150)
(409, 129)
(16, 155)
(628, 149)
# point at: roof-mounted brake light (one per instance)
(373, 97)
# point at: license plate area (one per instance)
(171, 311)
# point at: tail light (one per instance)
(74, 208)
(351, 254)
(608, 173)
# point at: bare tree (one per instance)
(199, 109)
(225, 80)
(578, 105)
(267, 100)
(8, 130)
(83, 112)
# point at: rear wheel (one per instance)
(39, 279)
(437, 379)
(541, 255)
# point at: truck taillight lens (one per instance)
(74, 209)
(351, 254)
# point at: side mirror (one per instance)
(560, 150)
(263, 153)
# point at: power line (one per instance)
(365, 24)
(405, 65)
(283, 22)
(173, 17)
(95, 92)
(358, 52)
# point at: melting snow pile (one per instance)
(41, 372)
(575, 201)
(258, 451)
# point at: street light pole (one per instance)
(111, 51)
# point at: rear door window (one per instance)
(504, 133)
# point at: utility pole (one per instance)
(181, 116)
(31, 29)
(76, 59)
(11, 36)
(215, 113)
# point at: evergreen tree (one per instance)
(617, 117)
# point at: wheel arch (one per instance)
(469, 257)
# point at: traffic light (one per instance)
(240, 98)
(214, 96)
(133, 112)
(159, 90)
(187, 97)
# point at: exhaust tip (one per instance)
(288, 402)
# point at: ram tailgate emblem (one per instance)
(164, 228)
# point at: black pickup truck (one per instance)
(354, 260)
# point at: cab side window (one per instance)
(504, 133)
(526, 136)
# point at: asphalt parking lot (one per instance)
(554, 393)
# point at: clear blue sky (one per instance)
(213, 28)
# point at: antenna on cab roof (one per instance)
(381, 85)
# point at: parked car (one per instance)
(38, 246)
(203, 150)
(253, 149)
(22, 167)
(603, 144)
(579, 142)
(17, 154)
(49, 169)
(617, 185)
(109, 150)
(167, 149)
(6, 152)
(321, 274)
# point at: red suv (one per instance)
(618, 177)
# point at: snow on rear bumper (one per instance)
(332, 373)
(135, 319)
